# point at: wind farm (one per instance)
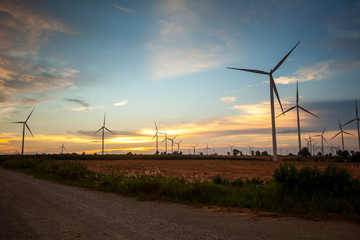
(244, 109)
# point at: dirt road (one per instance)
(36, 209)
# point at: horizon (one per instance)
(166, 62)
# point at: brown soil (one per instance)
(204, 169)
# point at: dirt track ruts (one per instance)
(35, 209)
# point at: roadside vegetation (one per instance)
(307, 192)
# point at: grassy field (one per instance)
(310, 189)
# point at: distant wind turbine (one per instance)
(342, 135)
(165, 140)
(309, 144)
(272, 90)
(172, 143)
(103, 128)
(231, 148)
(157, 139)
(194, 147)
(250, 150)
(297, 106)
(207, 149)
(322, 140)
(357, 119)
(178, 144)
(27, 126)
(63, 148)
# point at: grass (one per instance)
(307, 192)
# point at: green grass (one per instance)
(307, 192)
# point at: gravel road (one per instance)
(35, 209)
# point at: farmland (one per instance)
(206, 168)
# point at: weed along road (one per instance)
(36, 209)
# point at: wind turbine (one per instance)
(342, 135)
(357, 119)
(157, 139)
(27, 126)
(297, 106)
(63, 148)
(194, 147)
(272, 90)
(172, 143)
(250, 150)
(322, 140)
(103, 128)
(231, 148)
(165, 140)
(207, 149)
(309, 141)
(178, 144)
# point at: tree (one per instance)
(236, 152)
(304, 152)
(264, 153)
(257, 153)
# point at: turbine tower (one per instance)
(357, 119)
(103, 128)
(322, 140)
(297, 106)
(27, 126)
(172, 143)
(63, 148)
(157, 139)
(194, 147)
(272, 90)
(342, 135)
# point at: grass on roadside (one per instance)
(307, 192)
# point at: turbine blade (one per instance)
(323, 131)
(284, 58)
(18, 122)
(325, 140)
(110, 131)
(196, 145)
(180, 141)
(29, 129)
(275, 90)
(335, 136)
(286, 111)
(99, 130)
(349, 121)
(154, 136)
(174, 137)
(308, 112)
(29, 115)
(349, 133)
(250, 70)
(156, 127)
(297, 94)
(104, 121)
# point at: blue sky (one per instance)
(165, 61)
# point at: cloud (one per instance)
(122, 103)
(185, 42)
(228, 99)
(24, 30)
(78, 101)
(124, 9)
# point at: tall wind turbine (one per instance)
(297, 106)
(157, 139)
(27, 126)
(272, 90)
(322, 140)
(342, 135)
(63, 148)
(357, 119)
(103, 128)
(178, 144)
(194, 147)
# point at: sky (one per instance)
(139, 62)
